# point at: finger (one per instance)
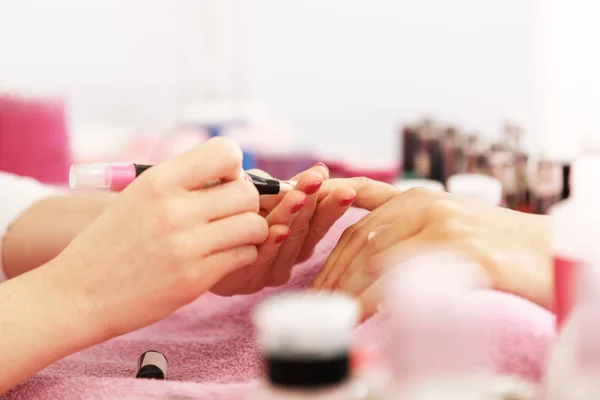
(218, 265)
(268, 203)
(218, 158)
(310, 182)
(267, 252)
(354, 238)
(287, 210)
(238, 230)
(327, 212)
(234, 197)
(370, 194)
(366, 269)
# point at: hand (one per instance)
(297, 221)
(164, 240)
(510, 247)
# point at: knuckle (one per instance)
(170, 217)
(363, 182)
(257, 225)
(227, 149)
(154, 183)
(245, 255)
(417, 192)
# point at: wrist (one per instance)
(73, 308)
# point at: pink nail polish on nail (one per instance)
(313, 187)
(299, 206)
(348, 201)
(281, 238)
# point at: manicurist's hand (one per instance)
(165, 240)
(297, 221)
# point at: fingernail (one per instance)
(348, 201)
(299, 206)
(313, 187)
(322, 165)
(371, 235)
(281, 238)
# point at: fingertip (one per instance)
(322, 169)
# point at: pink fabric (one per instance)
(211, 350)
(34, 139)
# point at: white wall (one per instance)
(346, 71)
(343, 72)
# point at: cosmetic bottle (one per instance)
(305, 340)
(576, 229)
(449, 152)
(408, 146)
(502, 167)
(482, 188)
(545, 185)
(573, 367)
(435, 350)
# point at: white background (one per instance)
(343, 73)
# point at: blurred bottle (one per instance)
(452, 145)
(502, 167)
(545, 185)
(476, 155)
(576, 228)
(409, 142)
(34, 140)
(435, 348)
(573, 368)
(482, 188)
(305, 340)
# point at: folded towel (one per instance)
(211, 351)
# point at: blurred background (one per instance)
(330, 80)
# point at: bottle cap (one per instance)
(477, 187)
(306, 324)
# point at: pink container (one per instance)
(33, 139)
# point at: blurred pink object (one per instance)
(34, 139)
(212, 354)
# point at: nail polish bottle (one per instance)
(545, 185)
(502, 167)
(305, 340)
(434, 348)
(573, 367)
(576, 229)
(478, 187)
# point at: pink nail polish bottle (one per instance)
(305, 341)
(576, 229)
(573, 369)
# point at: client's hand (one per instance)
(162, 242)
(511, 247)
(297, 221)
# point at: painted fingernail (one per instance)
(348, 201)
(322, 165)
(281, 238)
(299, 206)
(313, 187)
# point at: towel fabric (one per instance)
(211, 352)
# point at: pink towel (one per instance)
(211, 351)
